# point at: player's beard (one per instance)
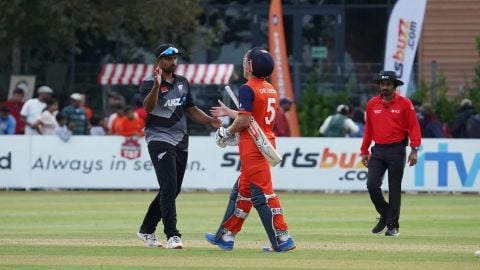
(171, 69)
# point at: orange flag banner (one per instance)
(281, 79)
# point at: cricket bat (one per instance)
(258, 136)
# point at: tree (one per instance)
(56, 30)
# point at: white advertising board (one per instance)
(327, 164)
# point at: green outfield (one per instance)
(96, 230)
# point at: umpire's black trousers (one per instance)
(389, 157)
(169, 165)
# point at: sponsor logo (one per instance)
(407, 38)
(445, 159)
(174, 102)
(131, 149)
(6, 161)
(164, 89)
(327, 159)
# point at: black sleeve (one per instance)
(145, 88)
(190, 102)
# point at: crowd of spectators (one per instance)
(43, 116)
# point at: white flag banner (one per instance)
(403, 35)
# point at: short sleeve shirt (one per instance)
(167, 122)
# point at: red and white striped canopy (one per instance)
(133, 74)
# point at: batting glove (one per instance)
(221, 135)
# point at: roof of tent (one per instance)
(133, 74)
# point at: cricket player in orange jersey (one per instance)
(258, 99)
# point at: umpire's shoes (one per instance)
(382, 223)
(225, 245)
(282, 247)
(392, 232)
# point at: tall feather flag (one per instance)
(403, 36)
(281, 79)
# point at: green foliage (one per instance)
(50, 30)
(445, 107)
(315, 106)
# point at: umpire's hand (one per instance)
(412, 158)
(365, 158)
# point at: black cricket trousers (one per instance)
(170, 165)
(385, 157)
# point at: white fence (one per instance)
(331, 164)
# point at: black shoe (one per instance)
(392, 232)
(382, 223)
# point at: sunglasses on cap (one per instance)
(169, 52)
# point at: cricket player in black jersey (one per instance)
(167, 100)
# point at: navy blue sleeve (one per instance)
(245, 98)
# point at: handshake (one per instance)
(223, 138)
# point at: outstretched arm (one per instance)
(200, 117)
(223, 110)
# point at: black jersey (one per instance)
(167, 122)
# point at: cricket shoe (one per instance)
(392, 232)
(150, 239)
(382, 223)
(174, 242)
(225, 245)
(282, 247)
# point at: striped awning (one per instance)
(133, 74)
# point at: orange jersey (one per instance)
(260, 99)
(131, 127)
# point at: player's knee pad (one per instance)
(267, 211)
(238, 207)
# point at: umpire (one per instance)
(390, 121)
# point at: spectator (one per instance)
(7, 122)
(459, 127)
(432, 128)
(339, 124)
(63, 131)
(113, 100)
(418, 110)
(282, 127)
(87, 109)
(358, 117)
(131, 124)
(15, 104)
(33, 108)
(48, 122)
(117, 119)
(75, 115)
(139, 110)
(98, 126)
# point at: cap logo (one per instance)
(168, 52)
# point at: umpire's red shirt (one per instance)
(390, 122)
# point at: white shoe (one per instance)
(150, 239)
(174, 242)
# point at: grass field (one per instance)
(96, 230)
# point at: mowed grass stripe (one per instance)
(96, 230)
